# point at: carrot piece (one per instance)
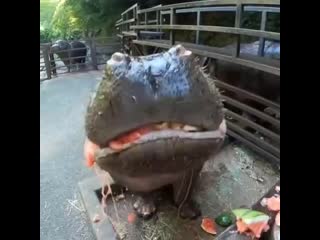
(132, 217)
(89, 151)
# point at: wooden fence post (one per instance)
(52, 64)
(47, 61)
(93, 52)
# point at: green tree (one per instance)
(89, 17)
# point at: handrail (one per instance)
(233, 30)
(212, 3)
(129, 9)
(125, 22)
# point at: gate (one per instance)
(252, 118)
(98, 51)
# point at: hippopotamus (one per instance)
(62, 45)
(154, 121)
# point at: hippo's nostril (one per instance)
(117, 57)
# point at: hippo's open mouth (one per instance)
(154, 132)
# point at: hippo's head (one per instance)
(60, 45)
(162, 107)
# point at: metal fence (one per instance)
(140, 28)
(98, 51)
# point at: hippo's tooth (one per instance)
(162, 126)
(189, 128)
(176, 126)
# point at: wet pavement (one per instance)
(63, 102)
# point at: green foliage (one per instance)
(86, 17)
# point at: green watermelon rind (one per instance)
(249, 216)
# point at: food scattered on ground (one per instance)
(132, 217)
(272, 203)
(208, 226)
(119, 197)
(250, 222)
(96, 218)
(225, 219)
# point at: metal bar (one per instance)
(215, 55)
(262, 28)
(125, 22)
(157, 18)
(53, 63)
(227, 9)
(252, 111)
(138, 50)
(70, 65)
(129, 9)
(213, 3)
(198, 24)
(254, 147)
(47, 62)
(69, 50)
(69, 58)
(93, 54)
(253, 125)
(131, 34)
(231, 30)
(249, 136)
(138, 21)
(237, 24)
(172, 22)
(160, 22)
(247, 94)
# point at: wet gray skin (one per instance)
(138, 91)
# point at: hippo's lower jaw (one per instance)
(159, 158)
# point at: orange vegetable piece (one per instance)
(273, 203)
(241, 226)
(209, 226)
(132, 217)
(258, 228)
(89, 151)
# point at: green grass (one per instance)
(47, 8)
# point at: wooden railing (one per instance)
(136, 23)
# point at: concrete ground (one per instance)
(63, 102)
